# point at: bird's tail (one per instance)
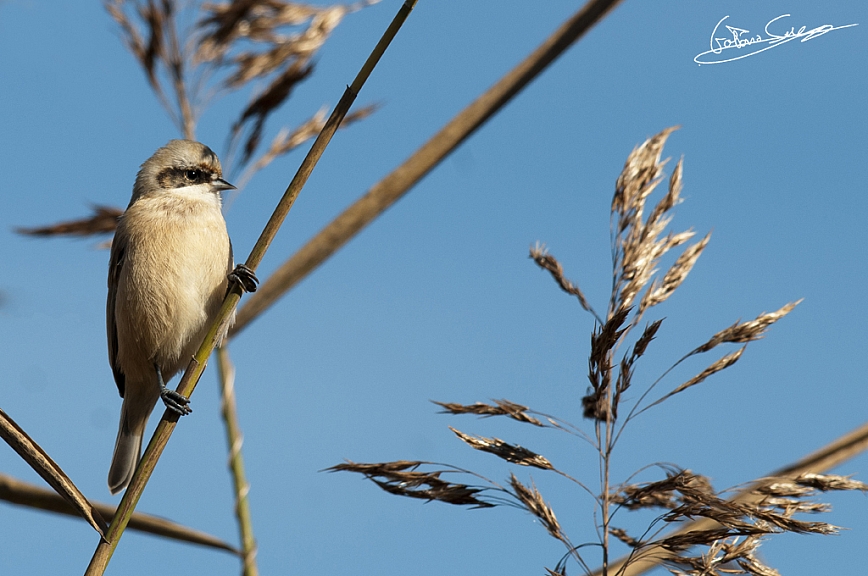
(128, 446)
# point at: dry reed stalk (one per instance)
(235, 440)
(24, 494)
(41, 462)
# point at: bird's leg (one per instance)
(244, 277)
(173, 400)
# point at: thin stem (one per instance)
(25, 494)
(104, 551)
(175, 62)
(235, 439)
(635, 411)
(41, 462)
(323, 139)
(607, 426)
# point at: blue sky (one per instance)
(437, 300)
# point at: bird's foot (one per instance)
(244, 277)
(175, 401)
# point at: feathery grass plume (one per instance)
(534, 503)
(742, 332)
(230, 46)
(727, 541)
(642, 343)
(715, 367)
(402, 479)
(660, 291)
(540, 255)
(597, 403)
(833, 454)
(726, 556)
(636, 243)
(624, 537)
(662, 493)
(500, 408)
(739, 525)
(827, 482)
(509, 452)
(103, 221)
(257, 41)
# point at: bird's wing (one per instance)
(116, 263)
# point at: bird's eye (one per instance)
(193, 175)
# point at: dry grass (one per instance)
(103, 221)
(402, 478)
(509, 452)
(728, 542)
(250, 40)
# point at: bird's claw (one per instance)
(244, 277)
(175, 401)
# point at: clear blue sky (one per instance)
(437, 299)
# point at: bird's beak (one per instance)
(219, 184)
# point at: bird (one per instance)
(169, 270)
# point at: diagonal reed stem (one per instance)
(41, 462)
(235, 440)
(33, 497)
(103, 553)
(391, 188)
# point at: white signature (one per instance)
(741, 39)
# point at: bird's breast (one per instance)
(174, 275)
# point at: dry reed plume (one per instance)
(193, 53)
(767, 507)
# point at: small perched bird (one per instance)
(169, 271)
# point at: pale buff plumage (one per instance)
(167, 278)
